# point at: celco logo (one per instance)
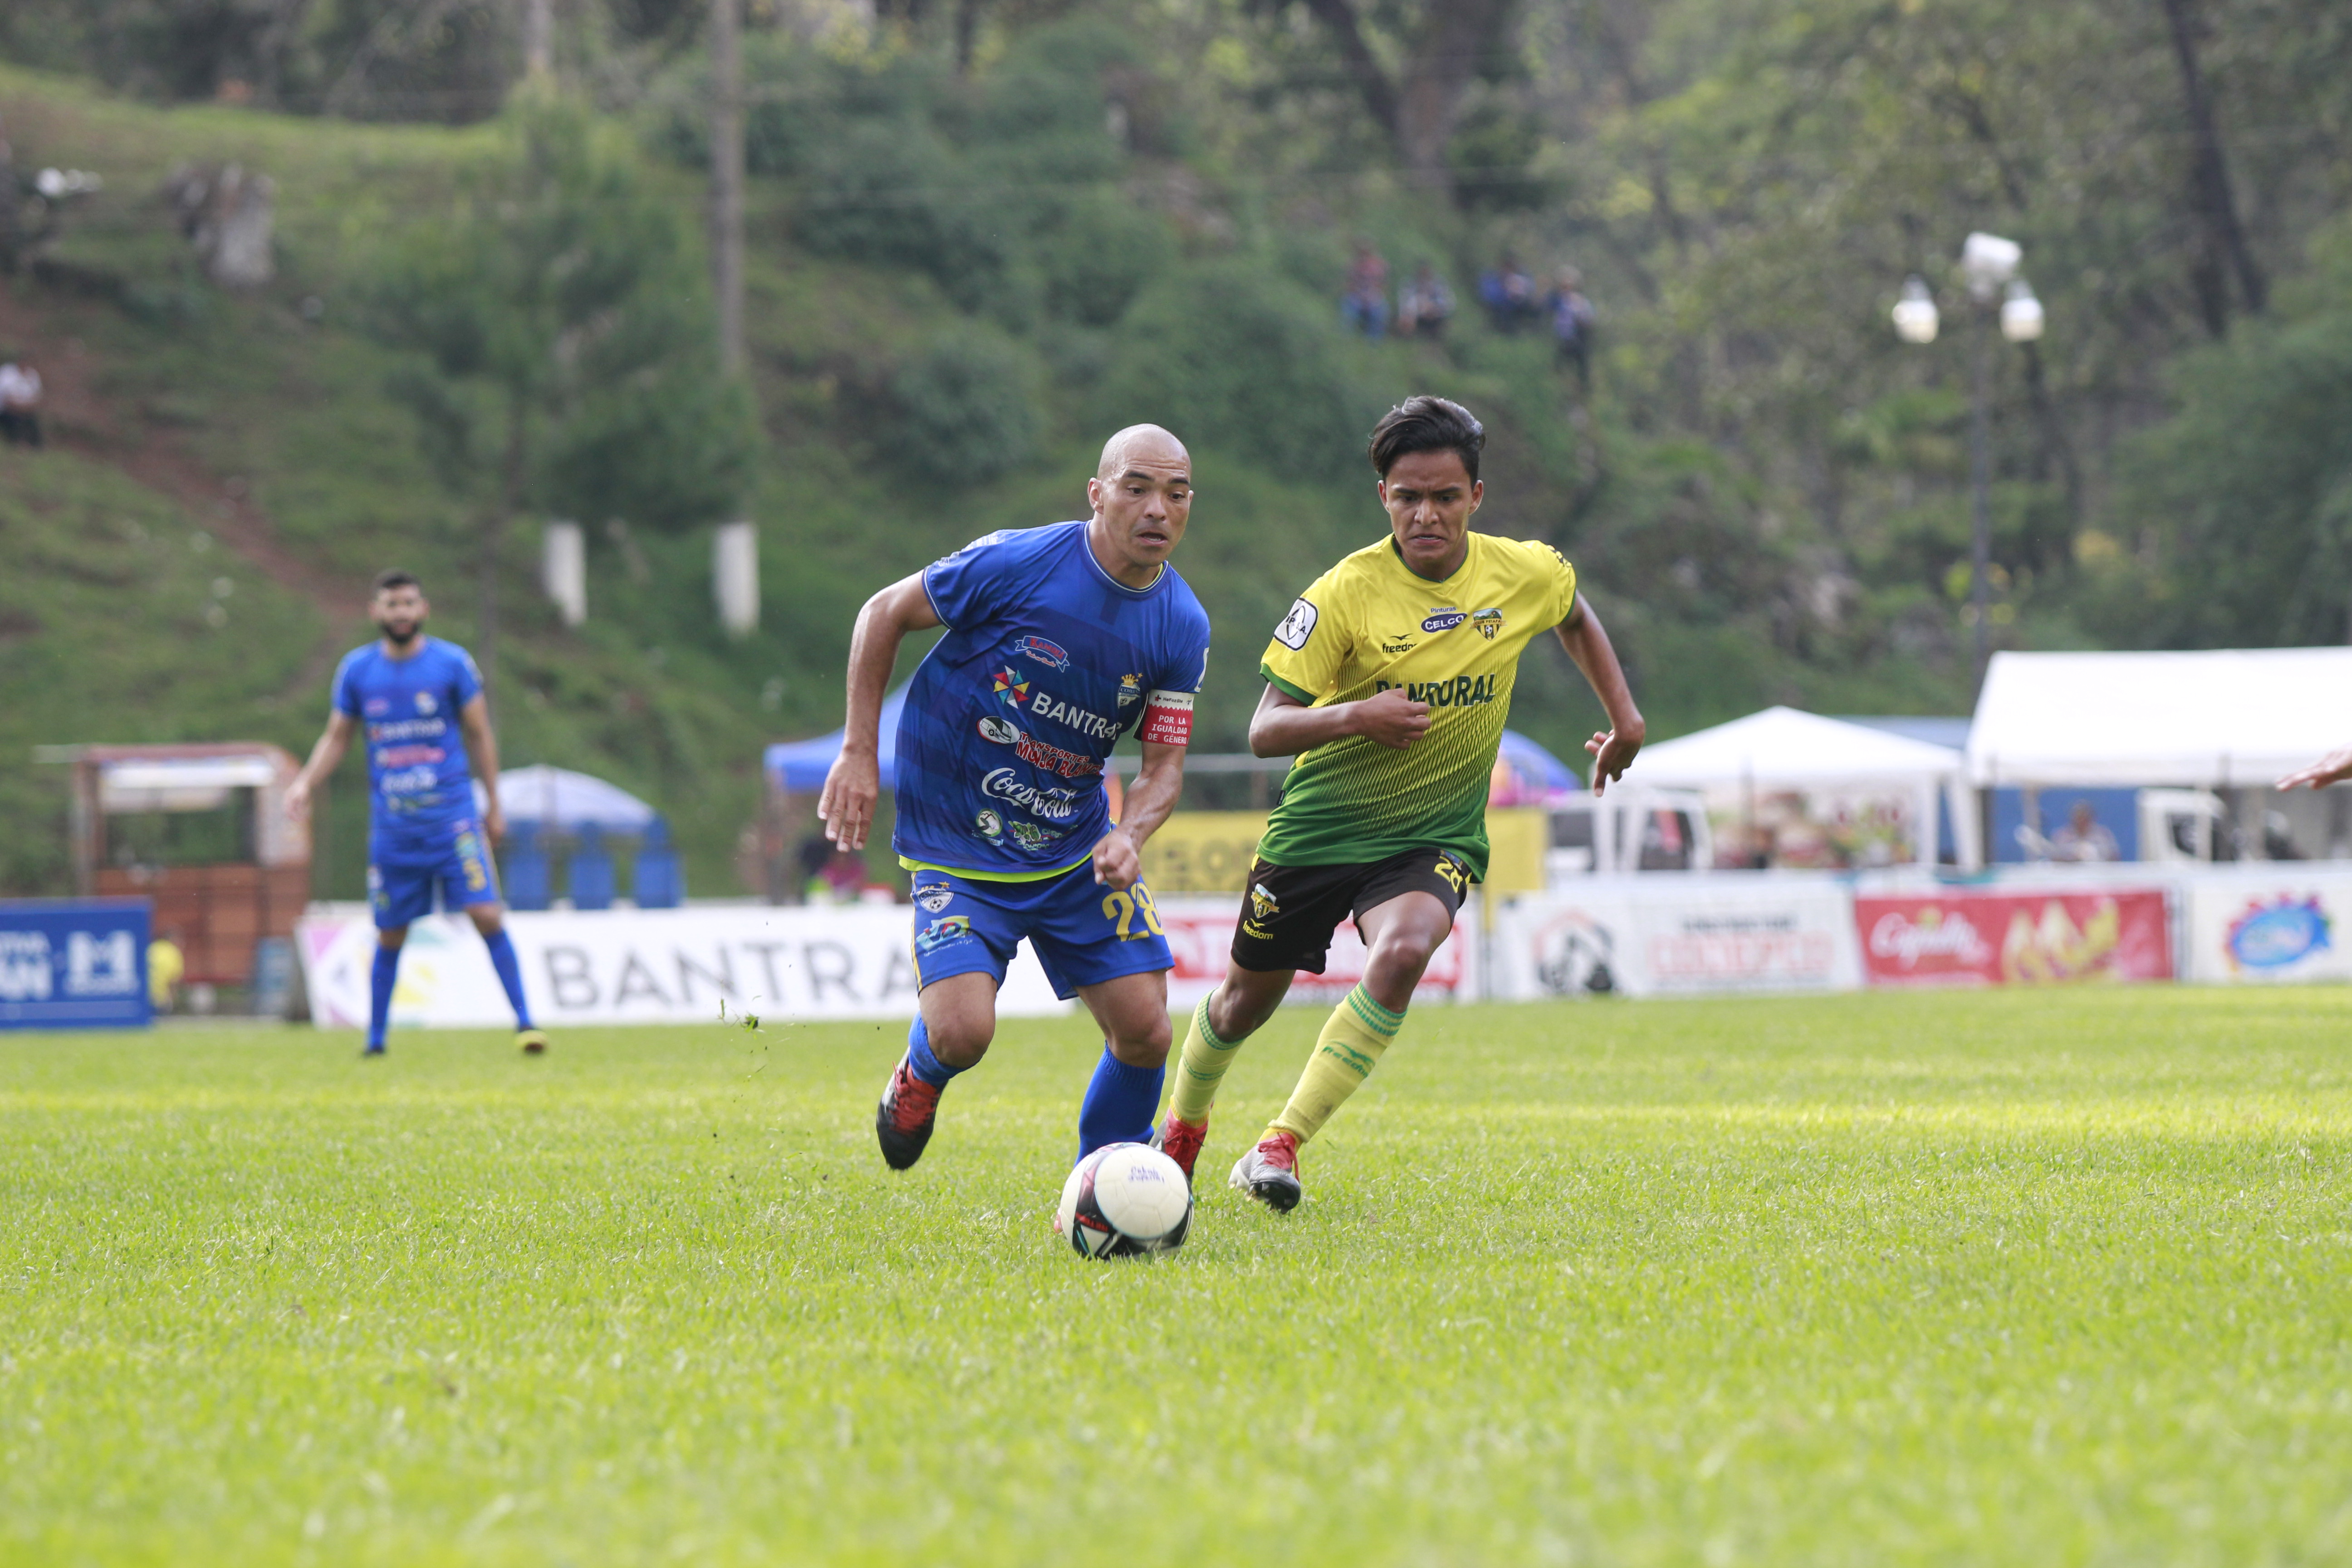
(1048, 654)
(1444, 618)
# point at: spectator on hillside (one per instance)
(1509, 295)
(20, 402)
(1571, 325)
(1424, 306)
(1365, 306)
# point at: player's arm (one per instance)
(1588, 644)
(1285, 726)
(1118, 861)
(482, 751)
(853, 783)
(2333, 768)
(325, 758)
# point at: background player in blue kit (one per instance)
(427, 726)
(1059, 640)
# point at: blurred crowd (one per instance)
(1513, 301)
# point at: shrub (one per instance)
(966, 409)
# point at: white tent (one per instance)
(560, 799)
(2228, 718)
(1784, 749)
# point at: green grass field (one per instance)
(2034, 1279)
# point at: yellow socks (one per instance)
(1345, 1054)
(1201, 1069)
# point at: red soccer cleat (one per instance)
(1180, 1141)
(903, 1122)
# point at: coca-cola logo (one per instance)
(1935, 933)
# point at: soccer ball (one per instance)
(1126, 1200)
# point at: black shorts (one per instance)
(1290, 911)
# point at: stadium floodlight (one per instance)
(2020, 314)
(1987, 261)
(1915, 314)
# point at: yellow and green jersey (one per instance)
(1370, 624)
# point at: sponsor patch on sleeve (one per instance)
(1297, 625)
(1167, 719)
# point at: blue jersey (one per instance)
(1047, 661)
(407, 709)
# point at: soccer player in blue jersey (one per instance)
(1059, 640)
(419, 700)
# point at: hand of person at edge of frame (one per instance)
(2335, 765)
(846, 808)
(298, 799)
(1117, 863)
(1612, 754)
(1391, 719)
(494, 821)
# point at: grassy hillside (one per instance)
(263, 423)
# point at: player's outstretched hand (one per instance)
(846, 808)
(1612, 754)
(1392, 719)
(2334, 766)
(1117, 863)
(297, 798)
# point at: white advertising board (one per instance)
(642, 966)
(1670, 935)
(1201, 938)
(2268, 924)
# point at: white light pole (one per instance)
(1989, 270)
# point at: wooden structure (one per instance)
(217, 910)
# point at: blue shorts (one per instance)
(1083, 932)
(404, 873)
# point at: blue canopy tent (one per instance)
(798, 767)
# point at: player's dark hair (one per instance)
(1427, 424)
(386, 582)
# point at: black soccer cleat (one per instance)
(903, 1122)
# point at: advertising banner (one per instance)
(1201, 938)
(643, 966)
(1677, 936)
(2279, 925)
(74, 965)
(1981, 937)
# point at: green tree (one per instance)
(565, 353)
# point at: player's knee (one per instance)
(488, 919)
(392, 937)
(1144, 1044)
(959, 1043)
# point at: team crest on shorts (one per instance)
(934, 898)
(1262, 903)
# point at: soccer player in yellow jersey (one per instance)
(1390, 680)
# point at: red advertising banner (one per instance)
(1985, 938)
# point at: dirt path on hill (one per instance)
(75, 418)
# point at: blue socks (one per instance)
(380, 978)
(509, 968)
(920, 1060)
(1119, 1104)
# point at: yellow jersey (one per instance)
(1370, 624)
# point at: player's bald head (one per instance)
(1139, 445)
